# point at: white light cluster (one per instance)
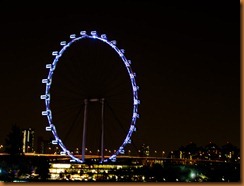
(72, 36)
(63, 43)
(104, 36)
(54, 53)
(83, 33)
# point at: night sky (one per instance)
(186, 58)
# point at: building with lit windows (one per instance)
(28, 140)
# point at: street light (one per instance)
(163, 153)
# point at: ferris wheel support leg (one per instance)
(84, 132)
(102, 131)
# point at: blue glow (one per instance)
(44, 80)
(93, 33)
(132, 127)
(127, 64)
(122, 151)
(48, 81)
(114, 42)
(135, 88)
(54, 53)
(43, 96)
(48, 65)
(63, 43)
(112, 158)
(54, 142)
(72, 36)
(136, 102)
(49, 128)
(44, 113)
(104, 36)
(131, 75)
(47, 97)
(63, 153)
(83, 33)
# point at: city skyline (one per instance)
(187, 63)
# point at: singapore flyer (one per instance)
(91, 98)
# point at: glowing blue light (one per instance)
(44, 113)
(135, 88)
(72, 36)
(47, 97)
(49, 128)
(127, 64)
(93, 33)
(62, 153)
(54, 53)
(113, 42)
(43, 96)
(47, 112)
(72, 160)
(63, 43)
(122, 151)
(54, 142)
(136, 102)
(104, 36)
(44, 80)
(83, 33)
(132, 128)
(113, 158)
(48, 65)
(120, 53)
(131, 75)
(48, 81)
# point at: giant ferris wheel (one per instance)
(48, 81)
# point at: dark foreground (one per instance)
(37, 169)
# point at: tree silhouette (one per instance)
(13, 141)
(191, 148)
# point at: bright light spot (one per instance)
(193, 175)
(64, 166)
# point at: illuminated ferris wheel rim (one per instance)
(48, 82)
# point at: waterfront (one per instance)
(126, 169)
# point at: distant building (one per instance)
(144, 150)
(45, 146)
(28, 140)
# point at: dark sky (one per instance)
(186, 57)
